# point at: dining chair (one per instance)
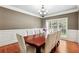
(37, 33)
(41, 33)
(51, 42)
(24, 47)
(21, 43)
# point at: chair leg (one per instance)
(54, 49)
(58, 43)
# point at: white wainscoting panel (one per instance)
(9, 36)
(72, 35)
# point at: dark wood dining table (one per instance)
(36, 41)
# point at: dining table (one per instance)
(36, 41)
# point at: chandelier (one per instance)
(42, 11)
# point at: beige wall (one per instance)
(72, 19)
(14, 20)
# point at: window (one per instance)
(58, 24)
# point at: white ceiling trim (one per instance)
(19, 10)
(26, 12)
(64, 12)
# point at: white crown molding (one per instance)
(19, 10)
(26, 12)
(64, 12)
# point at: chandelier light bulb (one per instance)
(42, 9)
(44, 13)
(40, 12)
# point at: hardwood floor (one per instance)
(10, 48)
(66, 46)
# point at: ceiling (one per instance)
(52, 9)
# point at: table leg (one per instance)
(38, 50)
